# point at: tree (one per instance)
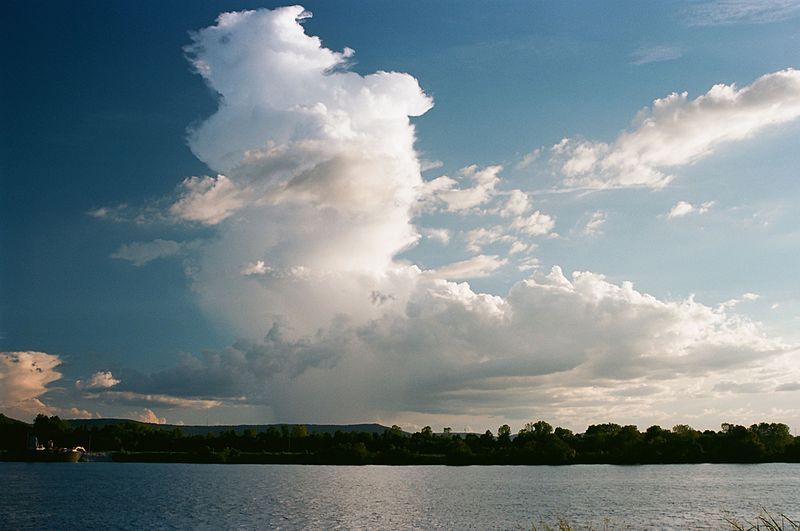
(504, 434)
(539, 428)
(774, 436)
(684, 430)
(51, 429)
(564, 434)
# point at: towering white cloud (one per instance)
(316, 195)
(677, 131)
(318, 174)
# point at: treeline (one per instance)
(536, 443)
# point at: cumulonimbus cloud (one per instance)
(319, 196)
(317, 163)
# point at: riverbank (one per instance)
(229, 456)
(538, 443)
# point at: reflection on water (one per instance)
(102, 495)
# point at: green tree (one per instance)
(299, 431)
(504, 434)
(539, 428)
(774, 436)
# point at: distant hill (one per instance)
(8, 421)
(238, 428)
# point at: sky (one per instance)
(458, 214)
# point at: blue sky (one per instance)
(224, 234)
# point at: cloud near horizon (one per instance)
(24, 377)
(149, 416)
(455, 351)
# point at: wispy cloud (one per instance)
(142, 253)
(655, 54)
(427, 165)
(529, 158)
(594, 227)
(722, 12)
(164, 400)
(475, 267)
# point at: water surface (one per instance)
(180, 496)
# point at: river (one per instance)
(179, 496)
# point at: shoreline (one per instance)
(285, 458)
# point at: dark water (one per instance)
(146, 496)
